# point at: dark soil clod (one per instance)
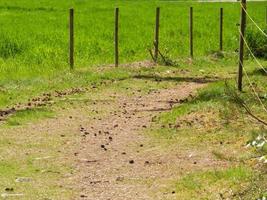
(131, 161)
(9, 189)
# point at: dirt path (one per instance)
(117, 161)
(101, 137)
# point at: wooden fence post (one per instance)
(71, 34)
(241, 43)
(221, 29)
(156, 41)
(191, 32)
(116, 37)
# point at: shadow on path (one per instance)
(178, 79)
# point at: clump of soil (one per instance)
(44, 99)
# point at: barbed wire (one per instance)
(245, 10)
(250, 82)
(258, 62)
(253, 88)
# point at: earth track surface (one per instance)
(116, 160)
(102, 140)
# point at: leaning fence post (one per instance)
(191, 32)
(156, 40)
(241, 43)
(71, 39)
(116, 37)
(221, 29)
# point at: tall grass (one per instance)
(36, 34)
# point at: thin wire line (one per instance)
(251, 52)
(250, 83)
(253, 20)
(253, 88)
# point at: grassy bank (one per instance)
(213, 122)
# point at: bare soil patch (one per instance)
(102, 138)
(117, 161)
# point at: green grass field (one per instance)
(36, 34)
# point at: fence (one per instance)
(156, 41)
(156, 37)
(243, 19)
(92, 41)
(242, 67)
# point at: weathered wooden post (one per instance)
(241, 43)
(156, 40)
(71, 39)
(221, 29)
(116, 37)
(191, 32)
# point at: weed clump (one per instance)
(10, 46)
(257, 42)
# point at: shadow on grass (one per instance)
(29, 115)
(18, 8)
(178, 79)
(215, 91)
(259, 72)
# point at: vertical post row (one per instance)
(116, 37)
(221, 29)
(156, 41)
(241, 43)
(71, 44)
(191, 32)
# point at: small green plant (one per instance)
(257, 41)
(10, 46)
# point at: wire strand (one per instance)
(261, 66)
(253, 20)
(253, 88)
(250, 82)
